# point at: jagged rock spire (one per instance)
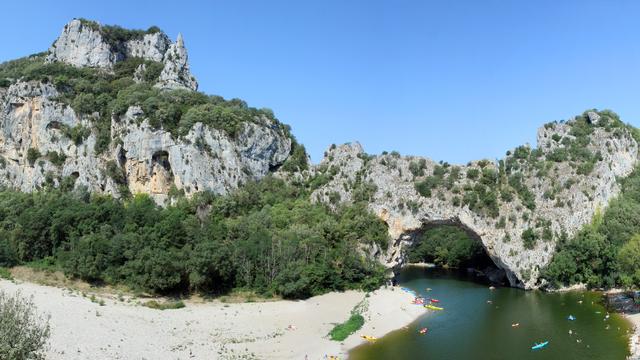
(176, 73)
(180, 40)
(83, 43)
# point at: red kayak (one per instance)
(423, 331)
(435, 301)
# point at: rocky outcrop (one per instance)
(82, 45)
(564, 197)
(36, 150)
(176, 73)
(85, 43)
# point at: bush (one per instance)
(473, 173)
(417, 167)
(298, 159)
(56, 158)
(629, 260)
(23, 333)
(116, 173)
(172, 305)
(33, 155)
(342, 331)
(5, 274)
(529, 238)
(77, 134)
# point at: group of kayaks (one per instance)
(428, 304)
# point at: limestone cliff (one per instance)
(85, 43)
(518, 206)
(44, 140)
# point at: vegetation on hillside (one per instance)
(606, 252)
(485, 185)
(114, 35)
(99, 95)
(266, 237)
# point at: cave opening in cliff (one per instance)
(453, 247)
(162, 158)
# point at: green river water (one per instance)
(472, 328)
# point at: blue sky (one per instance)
(452, 80)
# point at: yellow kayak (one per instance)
(369, 338)
(431, 307)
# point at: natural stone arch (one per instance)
(411, 238)
(551, 206)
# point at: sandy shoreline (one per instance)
(82, 329)
(634, 341)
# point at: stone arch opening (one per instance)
(450, 243)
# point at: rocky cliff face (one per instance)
(150, 160)
(517, 207)
(43, 141)
(85, 43)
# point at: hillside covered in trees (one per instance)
(267, 237)
(116, 170)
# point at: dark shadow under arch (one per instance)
(483, 264)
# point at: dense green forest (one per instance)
(445, 245)
(606, 252)
(266, 237)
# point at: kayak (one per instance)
(369, 338)
(539, 346)
(423, 331)
(431, 307)
(571, 318)
(435, 301)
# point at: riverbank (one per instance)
(106, 327)
(634, 340)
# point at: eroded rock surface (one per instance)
(564, 196)
(139, 158)
(84, 43)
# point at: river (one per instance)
(477, 323)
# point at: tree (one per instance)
(32, 155)
(23, 333)
(629, 260)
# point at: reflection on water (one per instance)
(477, 324)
